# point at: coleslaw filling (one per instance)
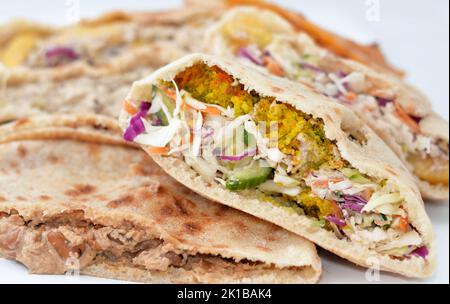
(428, 157)
(243, 141)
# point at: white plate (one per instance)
(413, 34)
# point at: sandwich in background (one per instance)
(399, 113)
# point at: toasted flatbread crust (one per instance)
(172, 31)
(119, 186)
(79, 87)
(214, 275)
(410, 98)
(373, 158)
(88, 127)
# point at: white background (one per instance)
(414, 35)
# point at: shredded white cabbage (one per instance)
(205, 169)
(271, 186)
(156, 136)
(156, 104)
(356, 82)
(275, 155)
(411, 238)
(379, 199)
(179, 100)
(391, 209)
(344, 185)
(338, 82)
(285, 180)
(192, 102)
(226, 134)
(197, 132)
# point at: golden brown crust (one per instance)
(79, 185)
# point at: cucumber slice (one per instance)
(248, 178)
(167, 102)
(246, 138)
(249, 140)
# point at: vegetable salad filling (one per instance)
(427, 157)
(244, 141)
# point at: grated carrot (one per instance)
(320, 183)
(401, 113)
(157, 150)
(351, 96)
(211, 111)
(403, 224)
(335, 179)
(170, 93)
(129, 107)
(273, 66)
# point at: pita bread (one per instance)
(101, 95)
(370, 156)
(284, 44)
(370, 55)
(83, 87)
(113, 213)
(111, 44)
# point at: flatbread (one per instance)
(109, 211)
(412, 101)
(84, 86)
(370, 54)
(110, 44)
(371, 157)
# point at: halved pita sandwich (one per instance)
(75, 95)
(400, 114)
(68, 204)
(282, 152)
(112, 51)
(370, 55)
(111, 44)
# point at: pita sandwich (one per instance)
(113, 43)
(284, 153)
(370, 55)
(82, 94)
(400, 114)
(106, 210)
(109, 43)
(125, 46)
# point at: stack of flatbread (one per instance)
(95, 177)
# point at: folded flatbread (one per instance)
(282, 152)
(108, 44)
(400, 114)
(370, 55)
(74, 95)
(69, 205)
(113, 43)
(109, 53)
